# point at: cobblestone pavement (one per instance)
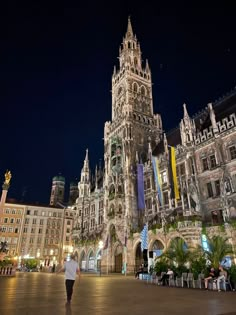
(39, 293)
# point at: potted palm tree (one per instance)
(218, 249)
(232, 273)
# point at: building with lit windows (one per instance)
(107, 209)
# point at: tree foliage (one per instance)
(218, 249)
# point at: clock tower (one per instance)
(131, 132)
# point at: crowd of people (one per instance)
(216, 277)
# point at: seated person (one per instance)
(140, 270)
(166, 276)
(221, 278)
(212, 275)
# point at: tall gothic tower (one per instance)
(133, 130)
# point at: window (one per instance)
(5, 220)
(35, 212)
(41, 222)
(12, 220)
(16, 230)
(18, 221)
(232, 151)
(204, 164)
(27, 221)
(25, 230)
(40, 231)
(28, 212)
(217, 187)
(165, 197)
(34, 221)
(209, 190)
(67, 230)
(31, 240)
(164, 177)
(10, 230)
(213, 161)
(68, 222)
(33, 230)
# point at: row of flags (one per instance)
(172, 172)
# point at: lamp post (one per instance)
(100, 246)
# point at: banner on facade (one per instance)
(144, 237)
(140, 185)
(174, 194)
(157, 177)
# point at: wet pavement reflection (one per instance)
(40, 293)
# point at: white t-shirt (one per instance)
(70, 269)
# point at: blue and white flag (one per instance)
(144, 237)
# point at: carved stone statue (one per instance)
(194, 197)
(7, 177)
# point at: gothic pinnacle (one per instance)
(129, 32)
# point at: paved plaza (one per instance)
(40, 293)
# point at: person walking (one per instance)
(70, 268)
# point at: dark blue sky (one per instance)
(56, 62)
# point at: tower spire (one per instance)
(129, 32)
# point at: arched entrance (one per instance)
(82, 261)
(118, 259)
(91, 261)
(157, 248)
(138, 257)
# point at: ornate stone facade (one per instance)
(106, 208)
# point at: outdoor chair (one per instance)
(171, 281)
(228, 283)
(180, 281)
(212, 285)
(158, 280)
(152, 278)
(199, 283)
(190, 280)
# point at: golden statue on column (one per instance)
(7, 177)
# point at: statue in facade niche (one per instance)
(194, 199)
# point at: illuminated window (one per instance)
(164, 177)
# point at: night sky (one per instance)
(56, 62)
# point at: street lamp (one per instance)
(100, 246)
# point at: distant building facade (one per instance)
(34, 231)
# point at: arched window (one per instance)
(135, 61)
(143, 90)
(135, 87)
